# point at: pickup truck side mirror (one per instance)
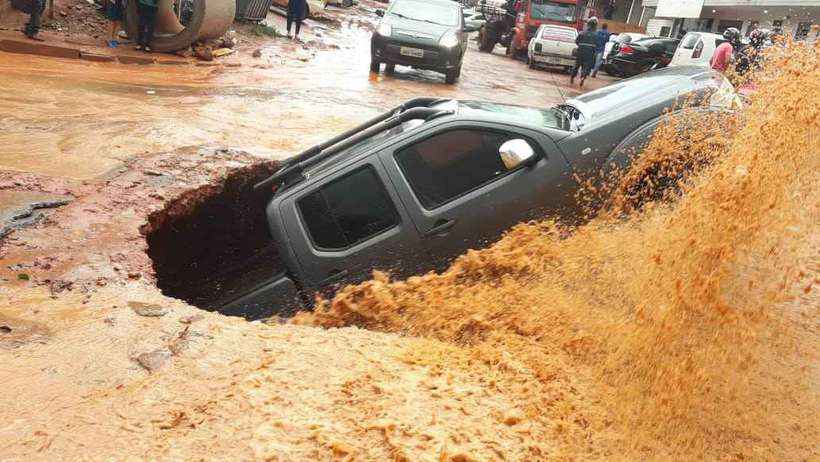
(380, 12)
(517, 152)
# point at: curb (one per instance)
(86, 53)
(42, 49)
(97, 58)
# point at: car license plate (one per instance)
(414, 52)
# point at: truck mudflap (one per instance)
(279, 295)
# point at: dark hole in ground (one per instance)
(212, 244)
(5, 329)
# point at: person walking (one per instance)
(147, 10)
(34, 21)
(113, 11)
(297, 12)
(724, 53)
(585, 55)
(601, 38)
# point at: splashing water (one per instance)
(684, 329)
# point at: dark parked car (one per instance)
(418, 185)
(642, 55)
(424, 34)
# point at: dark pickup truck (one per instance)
(418, 185)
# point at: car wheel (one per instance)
(389, 68)
(375, 66)
(530, 63)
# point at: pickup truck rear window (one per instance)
(348, 210)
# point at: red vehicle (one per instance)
(514, 23)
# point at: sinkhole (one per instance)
(212, 244)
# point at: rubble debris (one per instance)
(153, 360)
(148, 309)
(222, 52)
(19, 209)
(185, 52)
(191, 318)
(204, 52)
(15, 333)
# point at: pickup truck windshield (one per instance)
(553, 11)
(548, 118)
(436, 13)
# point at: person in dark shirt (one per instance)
(34, 21)
(585, 55)
(601, 37)
(113, 11)
(297, 12)
(147, 10)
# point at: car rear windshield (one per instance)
(558, 33)
(553, 11)
(690, 41)
(434, 12)
(548, 118)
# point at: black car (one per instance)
(641, 56)
(424, 34)
(419, 184)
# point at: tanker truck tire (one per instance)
(210, 20)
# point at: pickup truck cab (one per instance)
(418, 185)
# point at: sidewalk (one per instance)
(56, 46)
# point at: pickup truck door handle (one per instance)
(335, 275)
(441, 227)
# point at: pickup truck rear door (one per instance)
(343, 227)
(459, 193)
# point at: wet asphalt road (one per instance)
(78, 120)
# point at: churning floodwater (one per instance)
(685, 329)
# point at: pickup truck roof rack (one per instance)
(291, 172)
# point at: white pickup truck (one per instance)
(552, 46)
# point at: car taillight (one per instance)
(626, 50)
(698, 50)
(538, 47)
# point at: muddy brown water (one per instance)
(79, 120)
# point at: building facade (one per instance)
(669, 18)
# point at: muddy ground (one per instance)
(98, 363)
(614, 344)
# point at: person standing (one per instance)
(601, 38)
(723, 56)
(113, 11)
(585, 55)
(297, 12)
(34, 21)
(147, 10)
